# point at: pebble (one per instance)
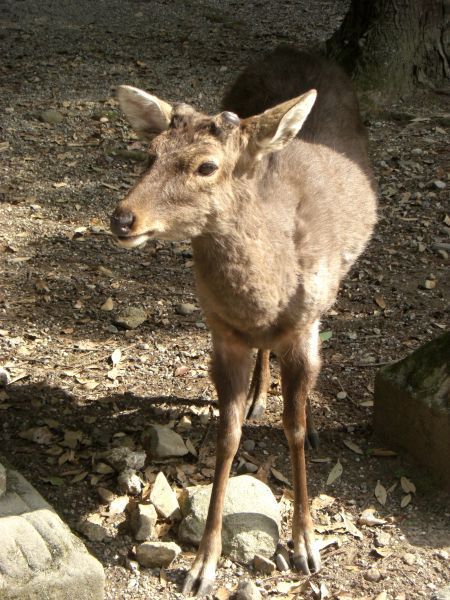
(130, 317)
(382, 538)
(439, 185)
(5, 377)
(249, 445)
(143, 521)
(409, 559)
(123, 458)
(51, 116)
(129, 482)
(185, 309)
(164, 498)
(157, 554)
(373, 575)
(92, 528)
(282, 563)
(443, 554)
(263, 565)
(247, 590)
(341, 395)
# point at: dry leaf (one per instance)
(222, 594)
(405, 500)
(380, 493)
(71, 438)
(367, 517)
(116, 356)
(108, 304)
(322, 501)
(38, 435)
(80, 477)
(407, 485)
(280, 477)
(190, 447)
(353, 447)
(382, 452)
(381, 596)
(323, 541)
(335, 473)
(351, 528)
(286, 587)
(380, 301)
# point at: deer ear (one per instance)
(147, 114)
(277, 126)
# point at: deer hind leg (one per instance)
(299, 369)
(257, 394)
(257, 398)
(230, 372)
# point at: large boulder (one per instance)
(251, 518)
(412, 406)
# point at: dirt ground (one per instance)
(63, 282)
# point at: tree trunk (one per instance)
(391, 46)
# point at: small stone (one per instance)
(163, 498)
(143, 521)
(282, 563)
(382, 538)
(162, 442)
(185, 423)
(263, 565)
(341, 395)
(373, 575)
(51, 116)
(442, 554)
(185, 309)
(130, 317)
(250, 467)
(247, 590)
(124, 458)
(442, 593)
(249, 445)
(105, 494)
(118, 505)
(157, 554)
(5, 377)
(129, 482)
(409, 559)
(92, 528)
(439, 185)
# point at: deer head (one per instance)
(197, 163)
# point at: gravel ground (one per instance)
(63, 283)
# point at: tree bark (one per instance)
(392, 46)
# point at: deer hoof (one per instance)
(194, 586)
(312, 440)
(307, 564)
(256, 412)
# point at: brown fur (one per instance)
(274, 230)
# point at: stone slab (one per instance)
(412, 406)
(40, 558)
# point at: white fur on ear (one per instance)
(147, 114)
(280, 124)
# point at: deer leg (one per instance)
(230, 372)
(312, 437)
(257, 394)
(299, 369)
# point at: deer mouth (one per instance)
(133, 241)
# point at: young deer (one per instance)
(278, 202)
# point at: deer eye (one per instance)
(207, 168)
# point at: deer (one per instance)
(276, 195)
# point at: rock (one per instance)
(442, 594)
(105, 494)
(442, 554)
(185, 309)
(130, 317)
(164, 499)
(185, 423)
(51, 116)
(251, 518)
(408, 558)
(5, 377)
(118, 505)
(247, 590)
(39, 555)
(263, 564)
(249, 445)
(93, 528)
(162, 442)
(282, 558)
(373, 575)
(157, 554)
(382, 538)
(129, 482)
(439, 185)
(412, 409)
(124, 458)
(143, 521)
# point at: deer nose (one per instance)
(121, 222)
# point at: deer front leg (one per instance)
(230, 372)
(299, 368)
